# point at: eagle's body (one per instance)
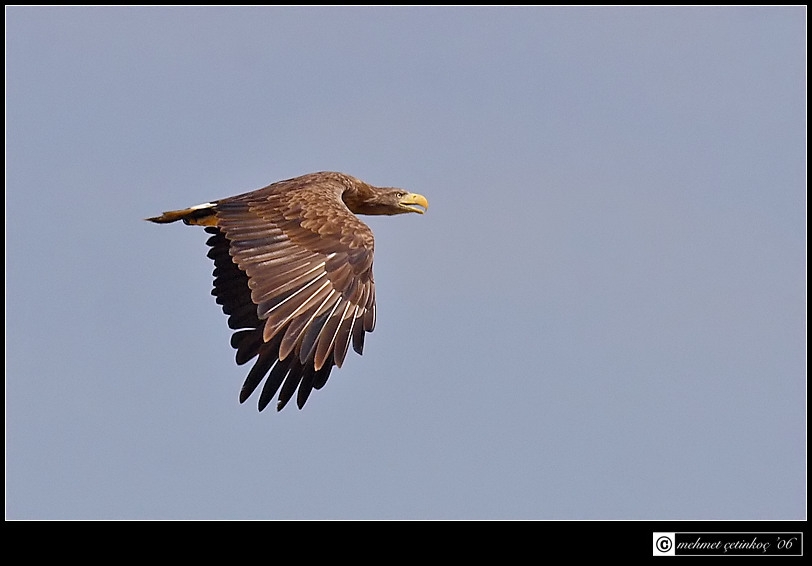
(293, 272)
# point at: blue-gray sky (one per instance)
(602, 315)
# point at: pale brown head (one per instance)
(366, 199)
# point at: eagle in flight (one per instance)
(293, 273)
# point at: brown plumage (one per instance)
(293, 272)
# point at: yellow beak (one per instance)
(415, 199)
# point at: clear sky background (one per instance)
(602, 315)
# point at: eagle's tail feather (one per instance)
(200, 215)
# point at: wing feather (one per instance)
(293, 270)
(328, 334)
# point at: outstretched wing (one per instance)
(293, 271)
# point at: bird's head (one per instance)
(386, 201)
